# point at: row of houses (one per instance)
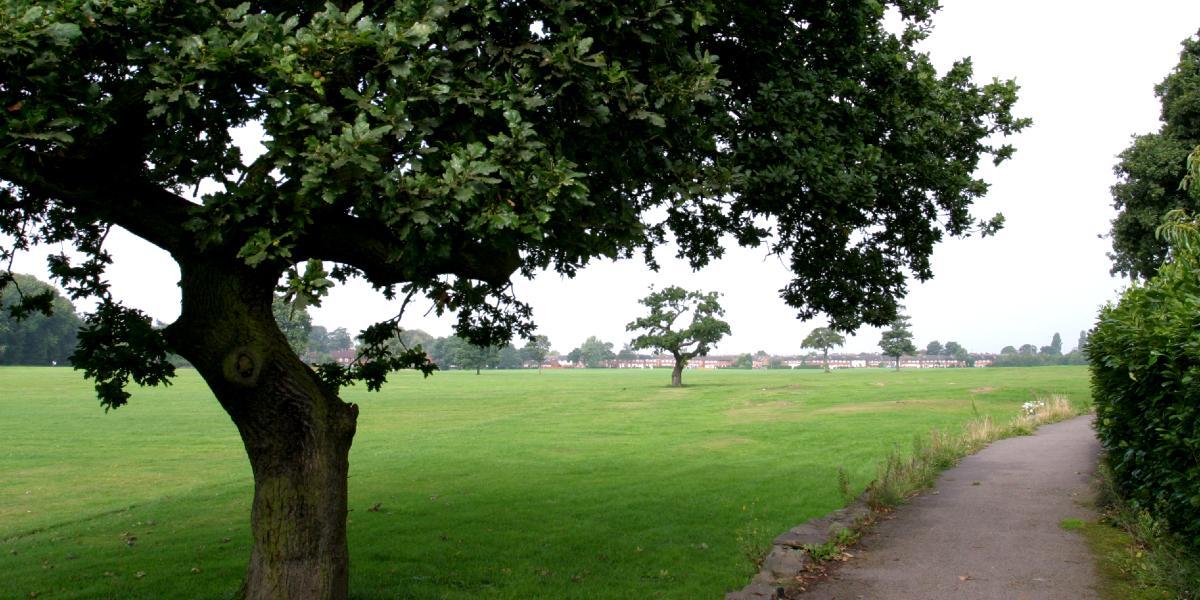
(859, 361)
(666, 361)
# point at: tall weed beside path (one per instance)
(901, 476)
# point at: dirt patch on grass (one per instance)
(983, 390)
(627, 405)
(728, 441)
(865, 407)
(763, 411)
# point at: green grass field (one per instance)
(583, 484)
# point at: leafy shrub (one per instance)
(1145, 357)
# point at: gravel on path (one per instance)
(991, 530)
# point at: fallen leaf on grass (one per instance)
(139, 574)
(965, 578)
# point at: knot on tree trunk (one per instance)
(242, 366)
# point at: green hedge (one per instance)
(1145, 357)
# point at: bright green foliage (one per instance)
(897, 340)
(1145, 357)
(37, 339)
(823, 338)
(442, 146)
(681, 322)
(1150, 170)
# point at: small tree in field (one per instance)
(823, 338)
(665, 333)
(897, 340)
(536, 350)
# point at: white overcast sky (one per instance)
(1087, 71)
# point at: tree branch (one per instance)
(371, 247)
(146, 210)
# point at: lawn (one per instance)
(579, 484)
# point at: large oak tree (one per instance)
(438, 148)
(681, 322)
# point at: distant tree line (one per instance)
(454, 352)
(36, 339)
(1029, 355)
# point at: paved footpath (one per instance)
(990, 531)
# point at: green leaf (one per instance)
(63, 32)
(584, 45)
(33, 13)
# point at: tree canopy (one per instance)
(592, 352)
(321, 341)
(823, 339)
(897, 339)
(295, 323)
(536, 350)
(684, 323)
(1150, 169)
(1055, 347)
(438, 148)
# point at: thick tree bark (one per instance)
(827, 360)
(677, 372)
(296, 431)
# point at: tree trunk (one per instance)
(677, 372)
(827, 360)
(897, 363)
(296, 431)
